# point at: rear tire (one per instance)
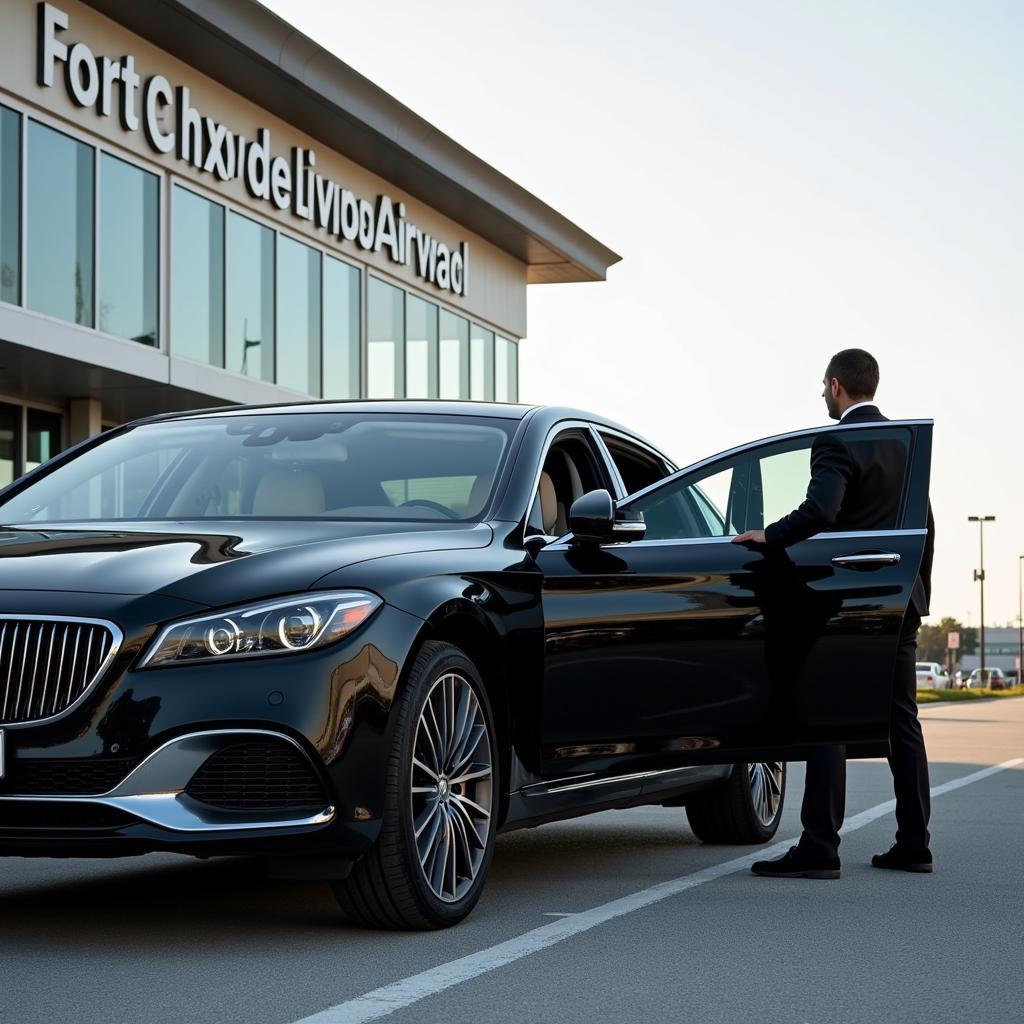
(430, 862)
(746, 810)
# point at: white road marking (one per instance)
(396, 996)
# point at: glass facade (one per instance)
(129, 251)
(10, 443)
(481, 364)
(420, 348)
(298, 316)
(60, 225)
(42, 436)
(454, 356)
(506, 370)
(81, 240)
(341, 330)
(10, 206)
(197, 278)
(385, 340)
(250, 298)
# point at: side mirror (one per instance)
(593, 520)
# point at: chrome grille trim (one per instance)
(50, 663)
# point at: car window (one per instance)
(638, 467)
(571, 469)
(752, 488)
(333, 465)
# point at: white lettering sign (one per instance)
(171, 124)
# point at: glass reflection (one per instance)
(42, 438)
(481, 364)
(10, 443)
(420, 348)
(197, 278)
(341, 330)
(129, 251)
(250, 298)
(385, 340)
(298, 316)
(10, 206)
(60, 225)
(454, 356)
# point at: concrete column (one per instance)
(85, 419)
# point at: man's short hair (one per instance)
(856, 370)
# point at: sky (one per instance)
(782, 181)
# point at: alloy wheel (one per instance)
(766, 789)
(452, 790)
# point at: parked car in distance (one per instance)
(360, 639)
(931, 676)
(994, 679)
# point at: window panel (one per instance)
(481, 364)
(10, 443)
(506, 370)
(420, 348)
(298, 316)
(42, 438)
(250, 298)
(10, 206)
(453, 358)
(197, 278)
(129, 251)
(60, 225)
(341, 330)
(386, 340)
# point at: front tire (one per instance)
(430, 862)
(746, 810)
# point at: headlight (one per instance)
(271, 627)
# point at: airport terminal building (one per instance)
(199, 205)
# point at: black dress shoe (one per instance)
(900, 858)
(797, 863)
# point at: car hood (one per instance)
(210, 562)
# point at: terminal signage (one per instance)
(173, 126)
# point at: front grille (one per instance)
(48, 664)
(79, 776)
(257, 775)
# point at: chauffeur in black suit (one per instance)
(858, 487)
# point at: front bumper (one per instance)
(332, 707)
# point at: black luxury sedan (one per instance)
(359, 639)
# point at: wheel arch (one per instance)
(464, 625)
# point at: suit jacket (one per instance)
(856, 484)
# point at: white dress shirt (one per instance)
(858, 405)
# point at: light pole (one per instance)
(979, 575)
(1020, 620)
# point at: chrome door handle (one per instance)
(858, 561)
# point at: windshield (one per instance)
(337, 466)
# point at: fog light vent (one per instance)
(258, 775)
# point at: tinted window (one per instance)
(341, 330)
(481, 364)
(753, 489)
(386, 340)
(250, 298)
(298, 316)
(420, 348)
(10, 206)
(197, 278)
(60, 225)
(328, 465)
(637, 467)
(129, 251)
(454, 356)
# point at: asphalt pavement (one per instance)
(616, 916)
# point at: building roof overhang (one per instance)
(252, 51)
